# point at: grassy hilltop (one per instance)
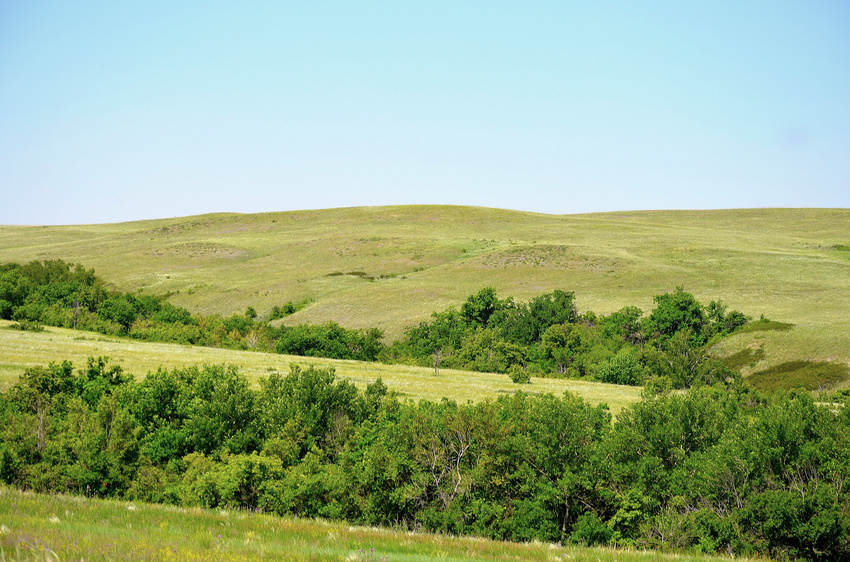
(391, 267)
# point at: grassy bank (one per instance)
(19, 350)
(43, 527)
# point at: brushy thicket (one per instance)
(718, 468)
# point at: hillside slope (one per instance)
(63, 527)
(22, 349)
(391, 267)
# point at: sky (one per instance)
(117, 111)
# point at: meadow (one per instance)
(22, 349)
(55, 527)
(391, 267)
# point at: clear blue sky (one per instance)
(113, 111)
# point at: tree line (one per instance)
(720, 468)
(545, 336)
(57, 293)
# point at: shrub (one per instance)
(28, 325)
(590, 530)
(519, 375)
(623, 368)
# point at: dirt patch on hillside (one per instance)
(546, 255)
(201, 250)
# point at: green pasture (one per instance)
(20, 349)
(44, 527)
(391, 267)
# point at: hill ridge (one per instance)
(783, 263)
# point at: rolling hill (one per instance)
(390, 267)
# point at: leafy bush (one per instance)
(624, 368)
(590, 530)
(519, 375)
(281, 311)
(27, 326)
(330, 340)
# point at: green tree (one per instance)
(483, 350)
(121, 309)
(625, 323)
(313, 397)
(623, 368)
(479, 307)
(221, 414)
(676, 312)
(574, 348)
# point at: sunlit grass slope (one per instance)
(41, 527)
(392, 266)
(19, 350)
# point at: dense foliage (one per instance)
(548, 337)
(715, 469)
(56, 293)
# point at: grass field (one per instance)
(19, 350)
(42, 527)
(391, 267)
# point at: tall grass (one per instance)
(45, 527)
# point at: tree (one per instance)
(222, 412)
(483, 350)
(562, 343)
(120, 309)
(625, 323)
(722, 323)
(685, 365)
(39, 390)
(525, 324)
(98, 379)
(675, 312)
(624, 368)
(312, 396)
(478, 308)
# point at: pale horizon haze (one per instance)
(113, 111)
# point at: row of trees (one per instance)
(714, 469)
(545, 336)
(56, 293)
(548, 337)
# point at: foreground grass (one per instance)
(19, 350)
(43, 527)
(390, 267)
